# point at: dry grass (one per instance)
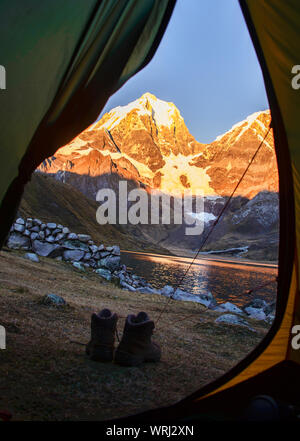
(45, 375)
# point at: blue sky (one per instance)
(206, 65)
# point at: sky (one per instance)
(206, 65)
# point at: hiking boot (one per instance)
(136, 346)
(103, 328)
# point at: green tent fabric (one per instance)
(63, 60)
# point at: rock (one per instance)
(207, 299)
(125, 285)
(255, 313)
(230, 307)
(110, 262)
(19, 228)
(47, 232)
(255, 303)
(74, 255)
(32, 256)
(65, 230)
(84, 237)
(43, 227)
(20, 221)
(56, 231)
(78, 266)
(16, 241)
(101, 247)
(232, 319)
(37, 222)
(35, 229)
(270, 318)
(106, 274)
(270, 309)
(60, 227)
(50, 239)
(60, 237)
(116, 250)
(26, 233)
(41, 235)
(51, 226)
(94, 249)
(186, 296)
(43, 248)
(87, 256)
(75, 244)
(53, 299)
(33, 236)
(72, 236)
(167, 290)
(104, 254)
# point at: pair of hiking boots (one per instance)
(135, 346)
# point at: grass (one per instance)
(45, 374)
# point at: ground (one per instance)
(45, 374)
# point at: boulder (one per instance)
(37, 222)
(43, 248)
(232, 319)
(41, 235)
(110, 262)
(72, 236)
(74, 255)
(75, 244)
(255, 303)
(53, 299)
(51, 226)
(116, 250)
(20, 221)
(16, 241)
(26, 233)
(65, 230)
(93, 249)
(84, 237)
(228, 307)
(35, 229)
(270, 308)
(167, 290)
(32, 256)
(33, 236)
(105, 273)
(78, 266)
(19, 228)
(50, 239)
(125, 285)
(255, 313)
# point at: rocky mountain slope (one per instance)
(148, 144)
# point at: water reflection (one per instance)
(226, 280)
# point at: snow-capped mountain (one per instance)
(148, 142)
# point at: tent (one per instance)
(92, 47)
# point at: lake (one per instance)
(227, 280)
